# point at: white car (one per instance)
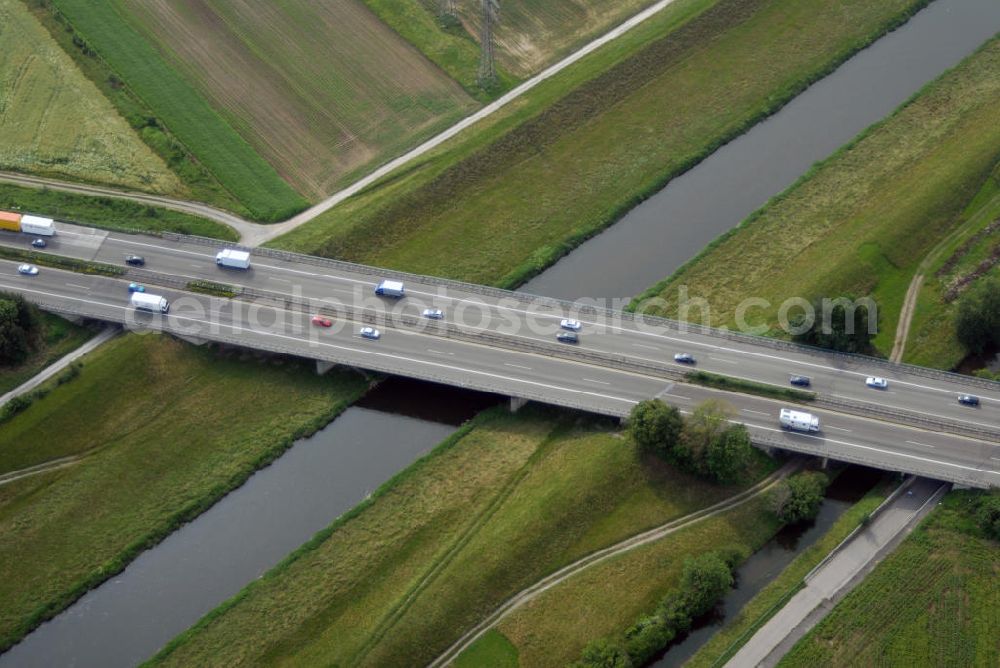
(370, 333)
(876, 382)
(28, 270)
(433, 313)
(573, 325)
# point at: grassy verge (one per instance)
(932, 602)
(108, 213)
(101, 31)
(586, 146)
(728, 640)
(154, 459)
(865, 218)
(493, 650)
(56, 122)
(439, 547)
(61, 338)
(60, 262)
(214, 289)
(731, 384)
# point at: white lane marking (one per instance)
(591, 380)
(996, 459)
(676, 396)
(837, 428)
(439, 352)
(921, 444)
(517, 366)
(197, 266)
(75, 285)
(747, 410)
(643, 345)
(719, 359)
(275, 278)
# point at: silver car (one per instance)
(28, 270)
(370, 333)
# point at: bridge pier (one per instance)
(517, 403)
(824, 463)
(322, 367)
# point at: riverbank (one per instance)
(168, 455)
(589, 144)
(864, 219)
(493, 509)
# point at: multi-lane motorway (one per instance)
(572, 378)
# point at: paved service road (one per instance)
(560, 380)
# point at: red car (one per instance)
(320, 321)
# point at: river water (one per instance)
(767, 563)
(169, 587)
(655, 238)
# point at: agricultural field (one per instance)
(587, 145)
(168, 455)
(320, 90)
(932, 602)
(61, 338)
(55, 122)
(506, 500)
(865, 218)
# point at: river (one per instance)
(169, 587)
(655, 238)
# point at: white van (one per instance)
(798, 421)
(143, 301)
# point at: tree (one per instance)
(705, 580)
(20, 329)
(978, 319)
(646, 638)
(707, 423)
(799, 497)
(988, 514)
(729, 454)
(604, 654)
(840, 324)
(655, 427)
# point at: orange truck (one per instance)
(10, 221)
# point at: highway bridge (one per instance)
(504, 342)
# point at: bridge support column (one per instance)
(517, 403)
(824, 463)
(322, 367)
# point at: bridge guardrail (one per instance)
(569, 308)
(611, 360)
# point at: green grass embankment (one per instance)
(730, 384)
(933, 602)
(161, 441)
(486, 514)
(576, 153)
(61, 338)
(108, 213)
(864, 219)
(725, 642)
(102, 28)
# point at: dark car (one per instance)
(800, 381)
(39, 243)
(135, 260)
(568, 337)
(684, 358)
(968, 400)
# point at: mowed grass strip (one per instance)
(104, 27)
(933, 602)
(320, 90)
(108, 213)
(161, 441)
(862, 221)
(509, 198)
(55, 122)
(487, 514)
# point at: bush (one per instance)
(844, 331)
(978, 319)
(604, 654)
(988, 515)
(798, 498)
(21, 329)
(728, 454)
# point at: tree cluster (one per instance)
(706, 443)
(840, 325)
(20, 329)
(978, 319)
(988, 514)
(799, 497)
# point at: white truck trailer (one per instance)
(390, 289)
(143, 301)
(44, 227)
(798, 421)
(233, 259)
